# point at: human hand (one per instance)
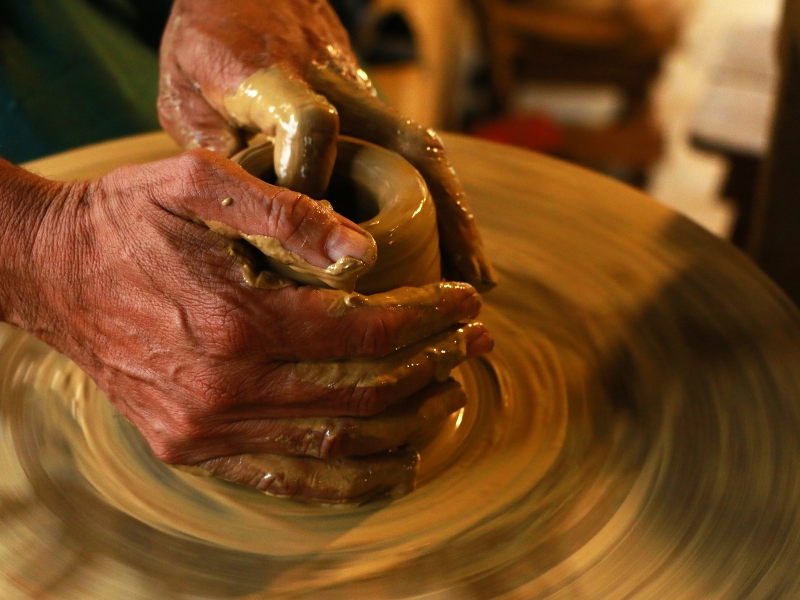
(286, 68)
(153, 306)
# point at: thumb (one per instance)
(305, 124)
(203, 187)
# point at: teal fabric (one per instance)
(74, 72)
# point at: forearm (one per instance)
(24, 202)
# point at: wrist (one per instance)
(27, 202)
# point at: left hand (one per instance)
(286, 68)
(119, 275)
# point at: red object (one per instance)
(532, 131)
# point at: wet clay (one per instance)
(253, 272)
(364, 116)
(340, 275)
(389, 199)
(424, 296)
(391, 202)
(335, 481)
(382, 192)
(428, 299)
(411, 421)
(304, 123)
(440, 354)
(386, 196)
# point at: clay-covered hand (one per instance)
(229, 67)
(344, 459)
(153, 305)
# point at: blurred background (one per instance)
(673, 96)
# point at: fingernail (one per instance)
(478, 340)
(469, 307)
(345, 241)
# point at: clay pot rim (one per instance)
(392, 179)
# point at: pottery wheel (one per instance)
(635, 433)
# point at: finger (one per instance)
(364, 116)
(413, 419)
(341, 389)
(186, 115)
(305, 124)
(203, 187)
(324, 325)
(354, 480)
(358, 388)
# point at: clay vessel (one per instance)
(385, 195)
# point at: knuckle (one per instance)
(167, 115)
(168, 453)
(168, 102)
(198, 162)
(176, 445)
(363, 402)
(376, 338)
(166, 92)
(325, 442)
(298, 221)
(286, 213)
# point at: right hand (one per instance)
(233, 67)
(154, 308)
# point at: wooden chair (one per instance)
(421, 90)
(620, 42)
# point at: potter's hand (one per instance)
(286, 68)
(355, 465)
(153, 306)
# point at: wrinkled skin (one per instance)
(211, 48)
(118, 276)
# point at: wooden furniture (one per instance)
(422, 90)
(734, 118)
(564, 40)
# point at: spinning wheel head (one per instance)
(635, 433)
